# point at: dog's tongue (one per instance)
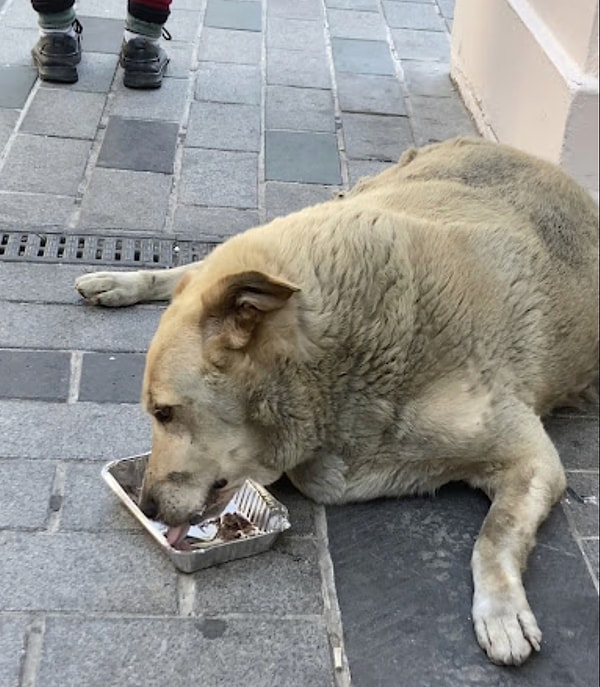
(175, 535)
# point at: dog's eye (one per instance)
(220, 484)
(164, 414)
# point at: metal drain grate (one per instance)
(91, 249)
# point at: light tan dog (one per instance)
(406, 335)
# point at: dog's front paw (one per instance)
(506, 631)
(112, 289)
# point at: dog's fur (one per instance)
(384, 343)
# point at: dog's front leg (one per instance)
(528, 480)
(115, 289)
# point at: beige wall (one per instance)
(528, 71)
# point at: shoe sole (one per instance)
(57, 73)
(141, 79)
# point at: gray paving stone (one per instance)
(125, 199)
(109, 8)
(281, 199)
(224, 126)
(590, 546)
(359, 169)
(576, 440)
(96, 72)
(112, 377)
(40, 375)
(446, 8)
(581, 501)
(354, 24)
(408, 616)
(68, 114)
(219, 178)
(35, 209)
(90, 506)
(299, 109)
(371, 94)
(8, 120)
(181, 59)
(413, 15)
(78, 431)
(155, 152)
(12, 645)
(435, 119)
(224, 45)
(118, 572)
(39, 282)
(228, 83)
(289, 571)
(25, 492)
(50, 326)
(16, 83)
(101, 34)
(16, 44)
(295, 68)
(305, 157)
(295, 34)
(167, 103)
(238, 651)
(428, 78)
(364, 5)
(230, 14)
(375, 137)
(212, 223)
(183, 26)
(307, 9)
(362, 57)
(44, 164)
(411, 44)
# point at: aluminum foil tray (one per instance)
(252, 501)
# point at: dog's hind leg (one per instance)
(115, 289)
(528, 479)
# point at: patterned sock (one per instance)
(134, 28)
(58, 22)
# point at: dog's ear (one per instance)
(236, 305)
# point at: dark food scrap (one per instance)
(233, 526)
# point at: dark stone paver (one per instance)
(283, 198)
(362, 56)
(404, 587)
(411, 44)
(302, 156)
(226, 45)
(155, 153)
(581, 501)
(112, 377)
(409, 15)
(356, 24)
(576, 440)
(42, 375)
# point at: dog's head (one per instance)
(214, 342)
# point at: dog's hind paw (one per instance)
(507, 633)
(111, 289)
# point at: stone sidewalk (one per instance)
(268, 106)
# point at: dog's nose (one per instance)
(149, 506)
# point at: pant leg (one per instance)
(54, 14)
(149, 11)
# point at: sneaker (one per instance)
(56, 55)
(144, 63)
